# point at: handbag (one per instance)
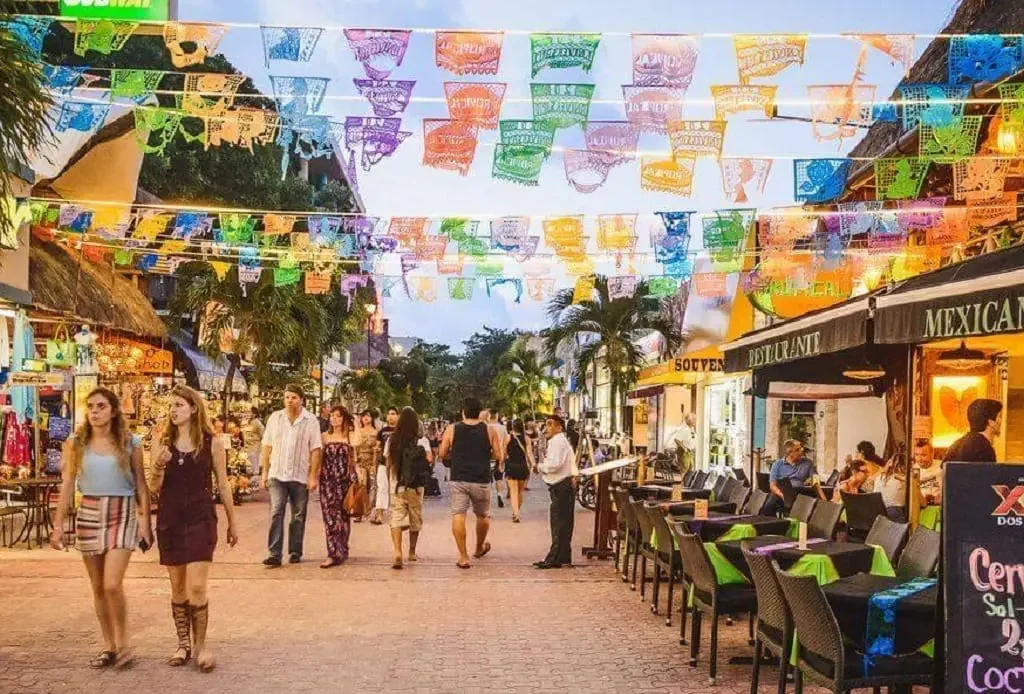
(59, 428)
(356, 502)
(53, 461)
(60, 351)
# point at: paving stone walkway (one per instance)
(500, 627)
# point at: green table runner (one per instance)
(931, 518)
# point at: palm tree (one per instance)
(522, 377)
(24, 108)
(609, 329)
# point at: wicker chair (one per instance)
(10, 511)
(802, 509)
(831, 480)
(740, 494)
(629, 555)
(764, 482)
(888, 535)
(774, 622)
(825, 660)
(715, 484)
(666, 557)
(644, 551)
(824, 519)
(688, 478)
(699, 479)
(620, 499)
(710, 598)
(789, 495)
(920, 556)
(755, 503)
(726, 491)
(861, 512)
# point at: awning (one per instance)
(833, 329)
(209, 373)
(977, 297)
(683, 370)
(639, 394)
(818, 391)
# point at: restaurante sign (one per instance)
(152, 10)
(793, 347)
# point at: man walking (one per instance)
(558, 470)
(471, 445)
(291, 445)
(493, 420)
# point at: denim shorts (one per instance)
(465, 494)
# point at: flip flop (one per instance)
(463, 566)
(125, 658)
(103, 659)
(484, 551)
(396, 565)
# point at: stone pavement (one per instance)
(500, 627)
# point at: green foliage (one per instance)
(609, 331)
(25, 122)
(523, 386)
(479, 366)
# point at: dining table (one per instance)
(35, 495)
(825, 559)
(686, 507)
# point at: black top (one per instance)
(471, 454)
(515, 454)
(325, 425)
(574, 438)
(971, 448)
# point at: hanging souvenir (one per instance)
(616, 232)
(461, 288)
(988, 213)
(664, 60)
(700, 138)
(662, 287)
(838, 111)
(559, 51)
(508, 233)
(209, 93)
(819, 181)
(155, 128)
(899, 47)
(899, 179)
(243, 127)
(379, 50)
(622, 287)
(975, 58)
(737, 98)
(652, 108)
(82, 116)
(137, 85)
(489, 267)
(951, 143)
(111, 222)
(528, 133)
(725, 233)
(468, 52)
(539, 288)
(561, 105)
(497, 283)
(586, 171)
(285, 276)
(317, 282)
(477, 103)
(709, 284)
(584, 290)
(668, 174)
(739, 174)
(938, 105)
(202, 39)
(617, 141)
(298, 96)
(373, 139)
(422, 288)
(63, 79)
(101, 35)
(295, 44)
(449, 144)
(979, 179)
(518, 163)
(387, 97)
(31, 31)
(760, 55)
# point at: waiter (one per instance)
(985, 418)
(558, 470)
(684, 442)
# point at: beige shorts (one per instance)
(465, 494)
(407, 509)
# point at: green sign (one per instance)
(134, 10)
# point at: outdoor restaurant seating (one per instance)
(644, 551)
(888, 535)
(620, 502)
(774, 623)
(688, 478)
(802, 509)
(764, 482)
(739, 496)
(755, 502)
(666, 557)
(824, 658)
(861, 511)
(710, 598)
(832, 479)
(699, 479)
(824, 519)
(725, 488)
(789, 494)
(921, 555)
(633, 540)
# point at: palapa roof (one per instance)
(971, 17)
(86, 292)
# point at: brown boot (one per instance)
(200, 618)
(182, 625)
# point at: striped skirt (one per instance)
(105, 523)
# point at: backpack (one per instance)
(413, 470)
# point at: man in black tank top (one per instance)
(468, 447)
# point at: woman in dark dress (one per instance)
(335, 475)
(184, 462)
(518, 463)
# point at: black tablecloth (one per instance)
(685, 508)
(696, 493)
(716, 526)
(808, 490)
(915, 615)
(651, 492)
(848, 558)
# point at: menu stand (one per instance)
(604, 516)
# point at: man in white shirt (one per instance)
(559, 470)
(683, 441)
(291, 445)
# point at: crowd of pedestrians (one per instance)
(334, 455)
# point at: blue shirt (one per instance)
(798, 473)
(101, 474)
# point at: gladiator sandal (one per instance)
(200, 617)
(182, 625)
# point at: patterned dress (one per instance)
(335, 478)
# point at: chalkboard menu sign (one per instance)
(983, 547)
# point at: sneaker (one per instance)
(272, 562)
(294, 558)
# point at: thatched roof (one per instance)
(972, 16)
(87, 292)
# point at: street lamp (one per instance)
(370, 310)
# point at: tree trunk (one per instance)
(229, 380)
(612, 391)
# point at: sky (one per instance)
(401, 186)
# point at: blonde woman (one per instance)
(185, 460)
(105, 462)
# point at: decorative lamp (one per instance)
(962, 358)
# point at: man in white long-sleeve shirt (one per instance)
(683, 442)
(558, 470)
